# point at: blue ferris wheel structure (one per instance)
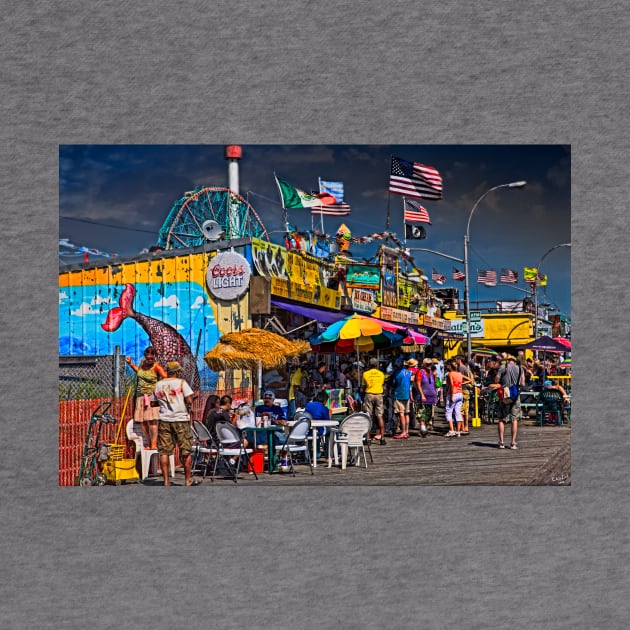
(183, 227)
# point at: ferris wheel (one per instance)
(209, 213)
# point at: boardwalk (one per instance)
(543, 458)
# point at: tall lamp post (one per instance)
(536, 284)
(518, 184)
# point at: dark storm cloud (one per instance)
(134, 187)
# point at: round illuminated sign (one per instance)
(228, 276)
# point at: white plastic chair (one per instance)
(135, 435)
(351, 435)
(228, 434)
(297, 442)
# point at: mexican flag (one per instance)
(295, 198)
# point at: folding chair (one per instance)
(296, 442)
(204, 449)
(231, 446)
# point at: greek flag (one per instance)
(332, 188)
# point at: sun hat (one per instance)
(269, 392)
(427, 361)
(412, 362)
(172, 367)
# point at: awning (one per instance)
(326, 317)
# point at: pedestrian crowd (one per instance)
(398, 394)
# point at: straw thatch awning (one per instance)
(248, 348)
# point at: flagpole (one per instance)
(321, 214)
(404, 224)
(284, 210)
(387, 221)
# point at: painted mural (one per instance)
(162, 302)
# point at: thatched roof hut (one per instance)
(251, 348)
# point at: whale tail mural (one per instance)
(168, 343)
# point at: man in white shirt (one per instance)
(174, 396)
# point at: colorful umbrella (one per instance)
(358, 333)
(549, 344)
(416, 338)
(485, 352)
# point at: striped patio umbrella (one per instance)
(358, 333)
(484, 352)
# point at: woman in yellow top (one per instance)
(149, 372)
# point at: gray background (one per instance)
(364, 72)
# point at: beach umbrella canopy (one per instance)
(485, 352)
(360, 333)
(549, 344)
(251, 348)
(415, 338)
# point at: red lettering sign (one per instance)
(231, 270)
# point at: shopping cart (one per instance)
(94, 453)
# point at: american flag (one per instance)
(509, 275)
(332, 210)
(415, 180)
(436, 277)
(458, 275)
(415, 212)
(489, 277)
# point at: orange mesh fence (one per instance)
(74, 421)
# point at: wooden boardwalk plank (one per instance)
(543, 458)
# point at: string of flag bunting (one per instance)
(488, 277)
(67, 248)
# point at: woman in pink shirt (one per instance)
(454, 398)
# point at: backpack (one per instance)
(509, 393)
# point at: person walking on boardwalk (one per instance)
(401, 381)
(509, 374)
(454, 398)
(373, 380)
(175, 396)
(148, 373)
(427, 394)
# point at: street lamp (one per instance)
(518, 184)
(536, 284)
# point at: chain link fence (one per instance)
(90, 377)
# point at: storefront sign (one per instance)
(363, 300)
(389, 276)
(303, 269)
(437, 322)
(317, 296)
(477, 329)
(269, 259)
(407, 291)
(397, 315)
(363, 277)
(228, 275)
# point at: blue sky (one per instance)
(115, 198)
